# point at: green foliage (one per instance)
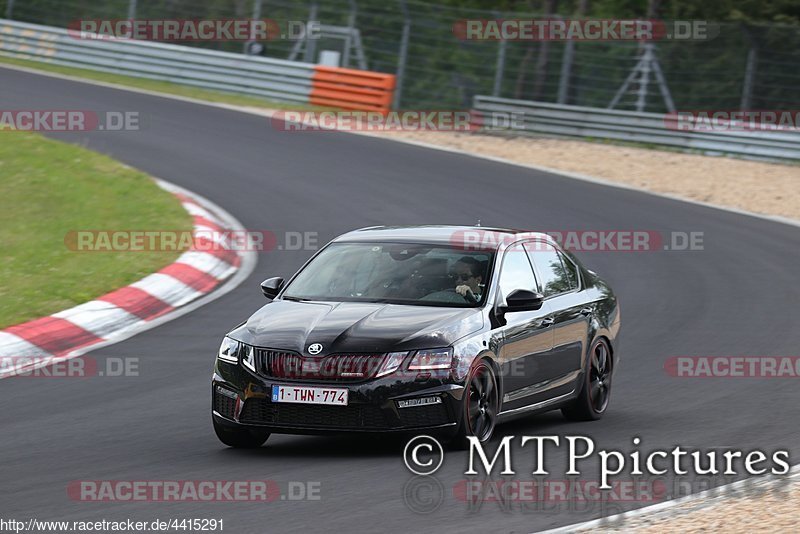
(444, 72)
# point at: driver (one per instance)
(468, 280)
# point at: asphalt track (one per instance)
(738, 296)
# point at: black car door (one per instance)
(560, 284)
(527, 336)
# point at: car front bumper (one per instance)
(242, 399)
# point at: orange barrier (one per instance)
(359, 90)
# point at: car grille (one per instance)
(224, 405)
(351, 367)
(363, 416)
(351, 416)
(430, 415)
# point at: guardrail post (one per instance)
(351, 25)
(401, 60)
(644, 79)
(256, 15)
(308, 53)
(566, 71)
(132, 9)
(749, 79)
(500, 66)
(9, 9)
(569, 54)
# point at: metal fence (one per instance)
(555, 120)
(264, 77)
(744, 67)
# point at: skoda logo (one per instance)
(315, 348)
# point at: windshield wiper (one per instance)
(295, 299)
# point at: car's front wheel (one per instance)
(240, 438)
(481, 406)
(595, 394)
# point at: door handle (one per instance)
(586, 311)
(547, 321)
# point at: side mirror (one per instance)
(523, 300)
(271, 287)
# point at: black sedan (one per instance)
(437, 329)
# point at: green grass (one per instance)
(155, 85)
(48, 188)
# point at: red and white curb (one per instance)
(193, 280)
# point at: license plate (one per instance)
(309, 395)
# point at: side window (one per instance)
(556, 278)
(572, 270)
(516, 272)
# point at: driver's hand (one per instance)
(464, 290)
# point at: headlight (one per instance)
(248, 357)
(229, 350)
(392, 363)
(426, 360)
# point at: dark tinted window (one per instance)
(555, 278)
(572, 270)
(516, 272)
(402, 273)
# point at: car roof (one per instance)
(438, 234)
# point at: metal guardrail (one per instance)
(539, 118)
(276, 79)
(271, 78)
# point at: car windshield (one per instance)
(398, 273)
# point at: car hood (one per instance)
(356, 326)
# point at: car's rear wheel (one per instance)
(595, 394)
(481, 406)
(240, 438)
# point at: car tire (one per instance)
(480, 406)
(240, 438)
(592, 401)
